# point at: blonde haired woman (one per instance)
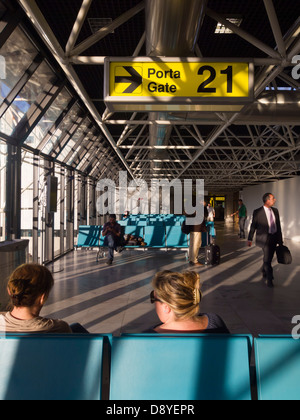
(177, 298)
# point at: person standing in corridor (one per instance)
(196, 239)
(266, 224)
(211, 213)
(242, 212)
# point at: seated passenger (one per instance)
(29, 287)
(113, 237)
(177, 297)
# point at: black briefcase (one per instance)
(284, 255)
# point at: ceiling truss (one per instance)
(217, 147)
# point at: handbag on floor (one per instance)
(284, 255)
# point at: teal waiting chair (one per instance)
(155, 236)
(46, 367)
(277, 368)
(175, 238)
(180, 368)
(88, 236)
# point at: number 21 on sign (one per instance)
(204, 87)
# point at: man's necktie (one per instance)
(273, 228)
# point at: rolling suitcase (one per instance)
(212, 252)
(212, 255)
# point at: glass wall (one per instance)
(42, 206)
(49, 118)
(3, 158)
(42, 118)
(19, 54)
(53, 143)
(58, 223)
(28, 95)
(27, 199)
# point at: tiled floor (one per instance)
(116, 299)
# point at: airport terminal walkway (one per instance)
(116, 299)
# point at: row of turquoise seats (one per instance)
(165, 219)
(154, 236)
(155, 216)
(210, 225)
(148, 367)
(150, 223)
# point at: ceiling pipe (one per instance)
(172, 30)
(172, 27)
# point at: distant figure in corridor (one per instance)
(177, 298)
(211, 213)
(242, 212)
(266, 224)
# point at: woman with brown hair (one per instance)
(29, 287)
(177, 298)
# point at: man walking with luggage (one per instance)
(266, 224)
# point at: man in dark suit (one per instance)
(266, 224)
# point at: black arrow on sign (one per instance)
(135, 79)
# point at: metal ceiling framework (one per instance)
(229, 151)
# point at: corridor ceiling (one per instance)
(229, 151)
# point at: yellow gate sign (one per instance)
(178, 81)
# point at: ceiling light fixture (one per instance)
(221, 29)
